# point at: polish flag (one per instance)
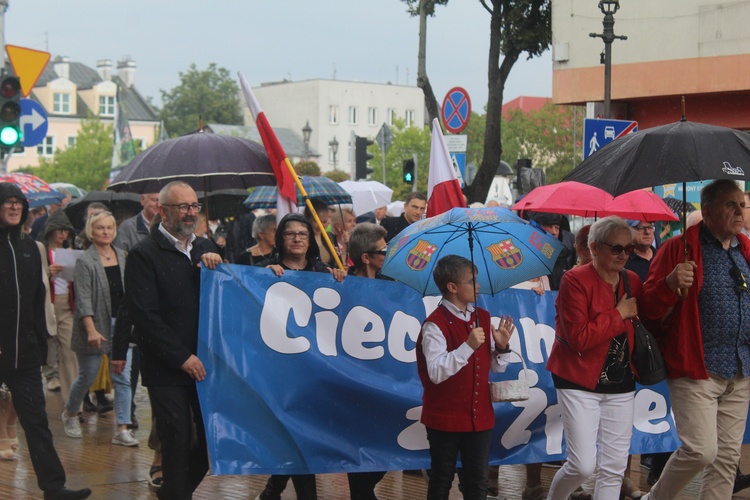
(443, 189)
(286, 195)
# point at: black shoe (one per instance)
(104, 407)
(88, 405)
(133, 423)
(66, 494)
(741, 482)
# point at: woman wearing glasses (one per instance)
(99, 278)
(590, 362)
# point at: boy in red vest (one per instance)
(454, 357)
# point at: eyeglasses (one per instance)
(185, 207)
(12, 203)
(290, 235)
(643, 229)
(739, 279)
(382, 251)
(618, 249)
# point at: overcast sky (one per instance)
(269, 40)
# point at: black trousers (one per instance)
(304, 486)
(135, 370)
(475, 453)
(362, 484)
(28, 397)
(179, 424)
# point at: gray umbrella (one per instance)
(208, 162)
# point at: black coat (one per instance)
(23, 326)
(162, 289)
(394, 225)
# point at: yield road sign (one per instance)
(597, 133)
(456, 110)
(28, 65)
(33, 123)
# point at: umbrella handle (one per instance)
(682, 293)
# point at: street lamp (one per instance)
(334, 144)
(306, 132)
(608, 8)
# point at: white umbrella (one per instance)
(367, 195)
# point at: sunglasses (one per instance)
(739, 280)
(378, 252)
(618, 249)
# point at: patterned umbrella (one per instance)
(37, 191)
(321, 188)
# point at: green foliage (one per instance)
(337, 175)
(86, 164)
(307, 167)
(546, 136)
(211, 95)
(406, 141)
(475, 140)
(413, 6)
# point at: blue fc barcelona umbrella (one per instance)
(506, 249)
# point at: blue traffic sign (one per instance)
(459, 162)
(456, 110)
(597, 133)
(33, 123)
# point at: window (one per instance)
(106, 105)
(47, 147)
(391, 115)
(139, 144)
(372, 116)
(352, 115)
(61, 103)
(71, 141)
(409, 116)
(333, 115)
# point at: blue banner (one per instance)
(307, 375)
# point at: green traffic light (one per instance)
(10, 136)
(408, 177)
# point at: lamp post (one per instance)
(306, 132)
(608, 8)
(334, 144)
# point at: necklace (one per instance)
(106, 257)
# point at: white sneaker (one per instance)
(124, 438)
(71, 425)
(53, 385)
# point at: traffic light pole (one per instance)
(382, 150)
(416, 174)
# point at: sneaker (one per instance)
(534, 493)
(71, 425)
(124, 438)
(53, 385)
(88, 405)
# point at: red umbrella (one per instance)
(575, 198)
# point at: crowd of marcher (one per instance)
(130, 310)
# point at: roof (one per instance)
(290, 141)
(525, 103)
(135, 105)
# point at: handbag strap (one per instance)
(626, 282)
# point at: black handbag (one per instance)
(646, 358)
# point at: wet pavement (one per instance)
(120, 473)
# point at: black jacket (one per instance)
(162, 288)
(23, 327)
(394, 225)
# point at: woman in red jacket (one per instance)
(590, 362)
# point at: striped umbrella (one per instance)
(320, 188)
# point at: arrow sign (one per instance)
(28, 65)
(33, 122)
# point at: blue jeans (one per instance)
(88, 367)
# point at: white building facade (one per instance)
(337, 109)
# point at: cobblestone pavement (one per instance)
(120, 473)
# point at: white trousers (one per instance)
(597, 429)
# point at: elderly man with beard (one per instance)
(162, 289)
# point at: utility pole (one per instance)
(608, 8)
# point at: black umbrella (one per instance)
(208, 162)
(679, 152)
(122, 206)
(678, 206)
(225, 203)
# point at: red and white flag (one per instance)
(443, 189)
(286, 197)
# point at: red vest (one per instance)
(460, 403)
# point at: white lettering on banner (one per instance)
(534, 334)
(650, 406)
(284, 302)
(273, 318)
(414, 437)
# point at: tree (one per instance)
(406, 142)
(546, 136)
(307, 167)
(85, 164)
(210, 95)
(337, 175)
